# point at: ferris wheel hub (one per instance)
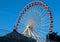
(30, 26)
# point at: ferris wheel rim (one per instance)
(33, 4)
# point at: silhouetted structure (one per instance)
(53, 37)
(16, 37)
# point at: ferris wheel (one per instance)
(35, 21)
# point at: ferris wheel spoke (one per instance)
(43, 13)
(34, 35)
(43, 24)
(46, 22)
(39, 36)
(44, 19)
(22, 23)
(20, 29)
(43, 29)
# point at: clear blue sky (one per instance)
(10, 9)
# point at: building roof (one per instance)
(15, 36)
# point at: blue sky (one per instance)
(10, 9)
